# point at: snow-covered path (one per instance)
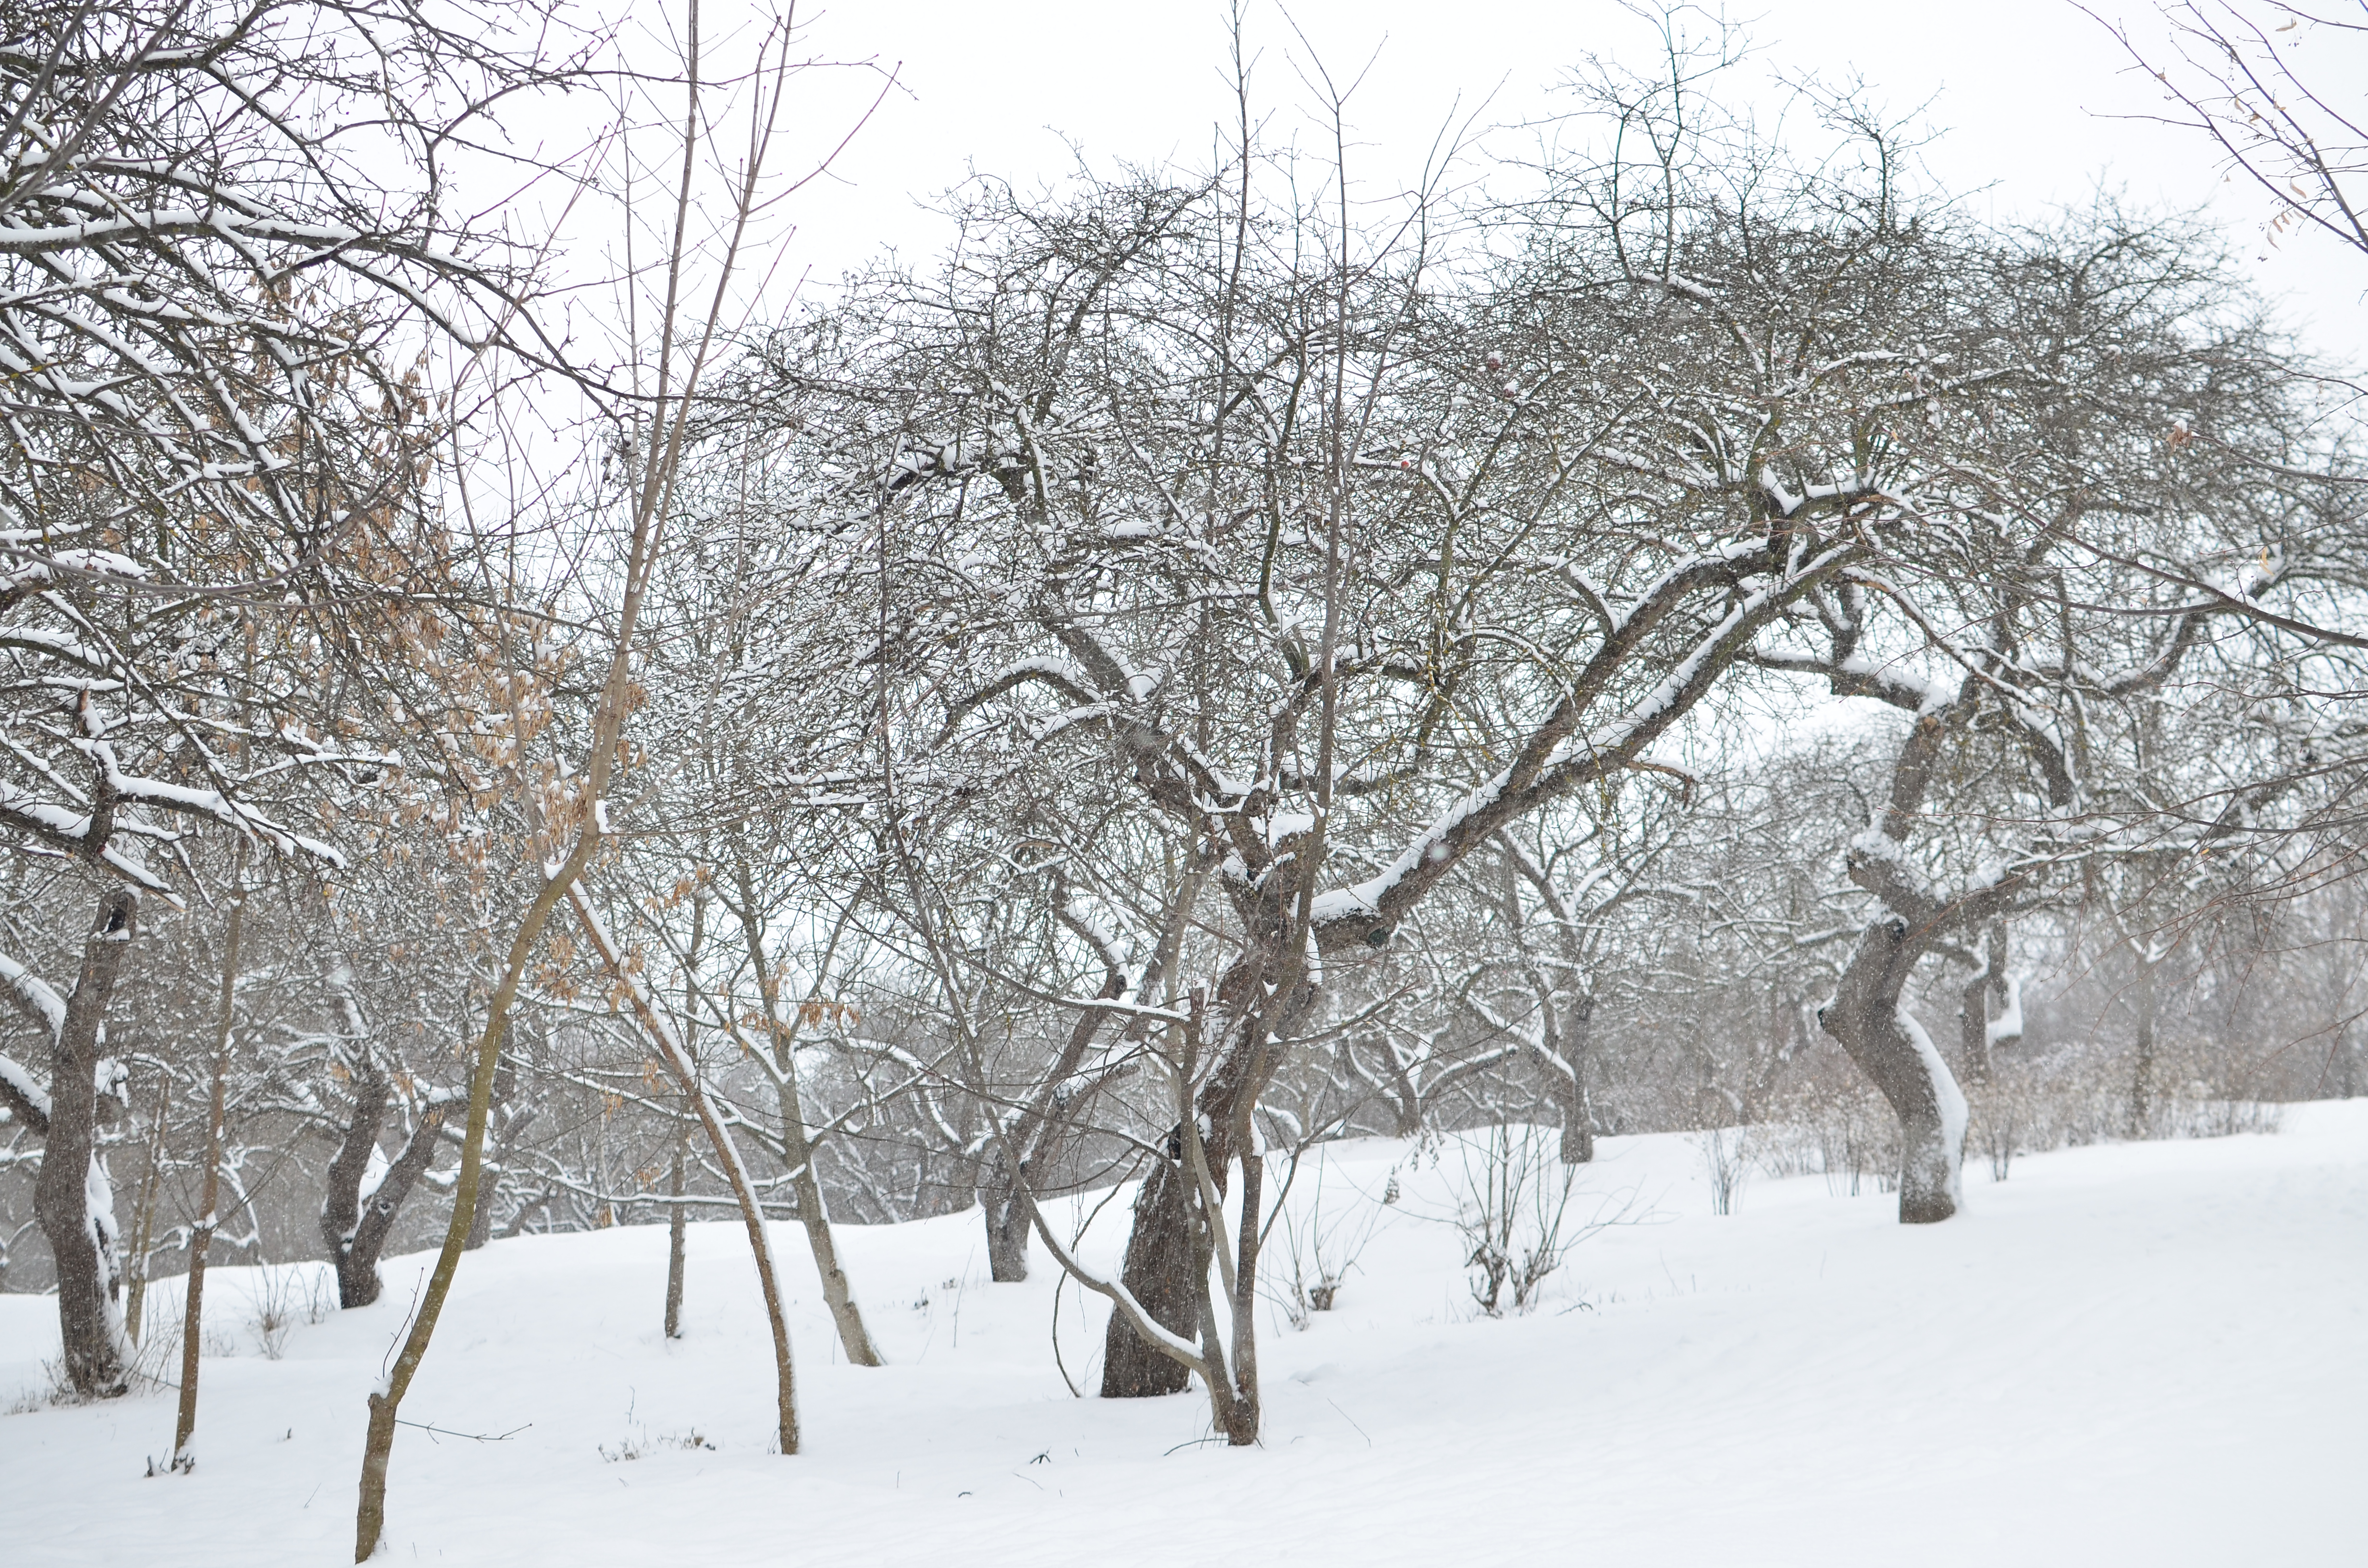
(2149, 1353)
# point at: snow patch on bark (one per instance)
(1948, 1161)
(2008, 1025)
(98, 1211)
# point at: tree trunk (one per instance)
(675, 1225)
(1869, 1020)
(1165, 1264)
(836, 1293)
(481, 1227)
(797, 1148)
(1158, 1270)
(2141, 1118)
(1578, 1033)
(209, 1188)
(386, 1400)
(355, 1224)
(1974, 1020)
(143, 1215)
(1262, 997)
(1406, 1100)
(677, 1059)
(341, 1197)
(70, 1197)
(1007, 1222)
(1974, 1029)
(1037, 1138)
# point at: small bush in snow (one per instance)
(1726, 1157)
(1511, 1203)
(1322, 1248)
(280, 1298)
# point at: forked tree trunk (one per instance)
(70, 1197)
(1168, 1257)
(797, 1149)
(1871, 1022)
(354, 1223)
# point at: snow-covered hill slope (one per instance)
(2147, 1354)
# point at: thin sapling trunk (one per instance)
(201, 1239)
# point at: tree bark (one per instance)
(837, 1292)
(143, 1218)
(1262, 996)
(386, 1402)
(210, 1189)
(797, 1147)
(2141, 1116)
(1870, 1021)
(341, 1197)
(1006, 1224)
(355, 1225)
(1577, 1033)
(70, 1197)
(481, 1229)
(1988, 984)
(1159, 1271)
(1036, 1137)
(675, 1225)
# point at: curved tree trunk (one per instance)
(70, 1197)
(1870, 1021)
(1869, 1016)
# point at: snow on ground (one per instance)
(2149, 1354)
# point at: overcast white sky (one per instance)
(2027, 90)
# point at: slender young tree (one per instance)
(208, 1191)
